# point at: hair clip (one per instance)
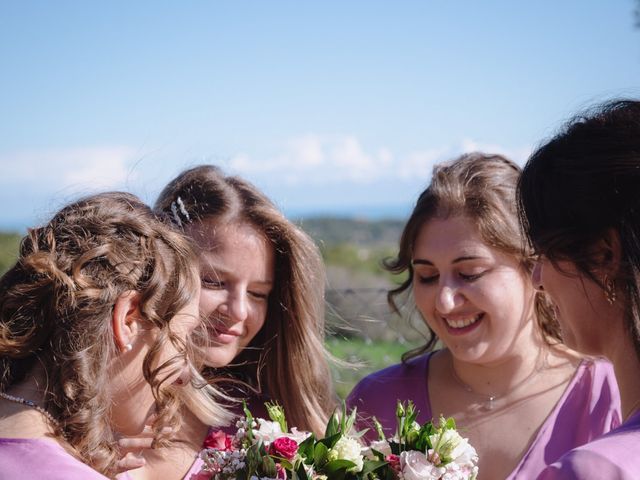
(178, 209)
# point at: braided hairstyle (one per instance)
(56, 308)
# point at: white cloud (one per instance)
(329, 159)
(98, 167)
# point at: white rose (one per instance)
(267, 431)
(381, 446)
(415, 466)
(347, 448)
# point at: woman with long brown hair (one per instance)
(521, 397)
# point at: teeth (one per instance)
(463, 322)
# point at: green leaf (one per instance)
(333, 426)
(305, 449)
(320, 454)
(268, 467)
(372, 466)
(334, 466)
(330, 442)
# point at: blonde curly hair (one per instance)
(56, 307)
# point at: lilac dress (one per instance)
(613, 456)
(38, 459)
(588, 408)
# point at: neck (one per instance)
(22, 421)
(626, 365)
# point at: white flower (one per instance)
(298, 435)
(381, 446)
(347, 448)
(450, 446)
(267, 431)
(415, 466)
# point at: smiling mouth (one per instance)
(461, 323)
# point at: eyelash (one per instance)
(218, 285)
(466, 278)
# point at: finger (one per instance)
(135, 443)
(129, 462)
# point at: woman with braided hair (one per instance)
(94, 321)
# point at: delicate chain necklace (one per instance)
(490, 399)
(31, 404)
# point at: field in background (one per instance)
(363, 332)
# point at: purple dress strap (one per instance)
(38, 459)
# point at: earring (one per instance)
(609, 289)
(128, 347)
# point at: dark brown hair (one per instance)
(57, 303)
(481, 187)
(291, 342)
(582, 184)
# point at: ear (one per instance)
(126, 320)
(608, 253)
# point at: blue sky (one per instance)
(329, 106)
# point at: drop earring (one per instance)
(609, 290)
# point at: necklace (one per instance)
(490, 399)
(31, 404)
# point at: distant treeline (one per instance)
(353, 243)
(9, 243)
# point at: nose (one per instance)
(536, 275)
(447, 299)
(236, 306)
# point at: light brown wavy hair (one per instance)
(481, 187)
(287, 360)
(57, 304)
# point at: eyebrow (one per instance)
(218, 270)
(423, 261)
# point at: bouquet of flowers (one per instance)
(266, 450)
(423, 452)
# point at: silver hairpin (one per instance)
(174, 212)
(183, 210)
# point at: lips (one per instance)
(220, 334)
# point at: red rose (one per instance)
(219, 441)
(284, 447)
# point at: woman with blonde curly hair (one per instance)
(262, 300)
(94, 318)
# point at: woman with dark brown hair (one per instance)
(94, 321)
(521, 397)
(580, 205)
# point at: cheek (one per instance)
(210, 301)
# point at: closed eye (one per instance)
(259, 295)
(212, 283)
(428, 280)
(471, 277)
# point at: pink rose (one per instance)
(284, 447)
(394, 462)
(219, 441)
(281, 472)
